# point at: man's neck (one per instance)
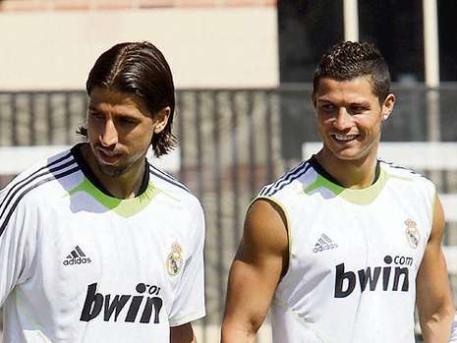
(354, 174)
(124, 186)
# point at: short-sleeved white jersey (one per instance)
(354, 256)
(77, 265)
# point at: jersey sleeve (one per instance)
(16, 248)
(189, 300)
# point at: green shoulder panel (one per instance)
(123, 207)
(356, 196)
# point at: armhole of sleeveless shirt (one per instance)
(435, 198)
(279, 206)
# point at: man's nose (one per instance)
(109, 135)
(343, 119)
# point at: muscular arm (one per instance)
(434, 300)
(261, 259)
(182, 334)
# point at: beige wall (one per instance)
(206, 47)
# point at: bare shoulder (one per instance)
(438, 222)
(261, 260)
(265, 231)
(434, 299)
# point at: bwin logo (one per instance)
(112, 306)
(345, 281)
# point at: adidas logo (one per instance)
(324, 243)
(76, 257)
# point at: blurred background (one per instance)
(243, 71)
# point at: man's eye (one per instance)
(328, 108)
(128, 121)
(97, 115)
(357, 109)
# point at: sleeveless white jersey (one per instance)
(77, 265)
(354, 256)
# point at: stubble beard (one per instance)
(112, 171)
(116, 171)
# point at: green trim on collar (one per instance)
(357, 196)
(123, 207)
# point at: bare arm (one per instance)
(182, 334)
(434, 300)
(261, 259)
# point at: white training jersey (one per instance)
(354, 255)
(78, 265)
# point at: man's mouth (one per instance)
(108, 156)
(343, 138)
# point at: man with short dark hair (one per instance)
(344, 245)
(97, 244)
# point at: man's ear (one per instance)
(161, 119)
(388, 106)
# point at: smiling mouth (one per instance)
(343, 138)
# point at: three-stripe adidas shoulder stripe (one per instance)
(396, 166)
(13, 194)
(286, 179)
(166, 177)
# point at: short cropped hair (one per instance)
(138, 68)
(348, 60)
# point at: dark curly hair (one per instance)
(138, 68)
(348, 60)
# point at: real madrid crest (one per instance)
(412, 233)
(175, 260)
